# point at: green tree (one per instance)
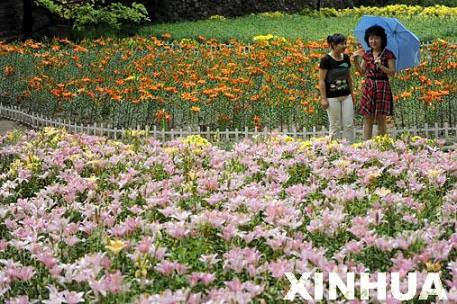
(87, 13)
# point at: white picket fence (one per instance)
(39, 121)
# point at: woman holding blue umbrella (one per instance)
(376, 64)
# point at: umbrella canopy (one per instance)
(402, 42)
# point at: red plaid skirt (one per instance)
(376, 97)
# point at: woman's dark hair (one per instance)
(376, 30)
(335, 39)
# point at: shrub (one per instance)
(96, 13)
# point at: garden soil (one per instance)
(8, 125)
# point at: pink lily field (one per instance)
(88, 219)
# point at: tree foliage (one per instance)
(88, 13)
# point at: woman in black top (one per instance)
(335, 84)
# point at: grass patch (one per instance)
(294, 26)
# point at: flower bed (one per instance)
(86, 218)
(147, 82)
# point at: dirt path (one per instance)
(8, 125)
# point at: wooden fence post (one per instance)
(146, 129)
(446, 130)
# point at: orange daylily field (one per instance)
(146, 81)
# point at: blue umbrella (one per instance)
(402, 42)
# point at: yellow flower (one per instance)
(74, 157)
(433, 267)
(188, 41)
(14, 167)
(331, 146)
(320, 139)
(32, 158)
(143, 266)
(141, 273)
(192, 175)
(305, 145)
(383, 141)
(272, 14)
(217, 17)
(88, 154)
(268, 38)
(115, 246)
(196, 140)
(278, 138)
(135, 133)
(10, 135)
(288, 139)
(342, 163)
(32, 162)
(432, 173)
(262, 38)
(92, 179)
(170, 151)
(358, 145)
(129, 150)
(187, 187)
(48, 131)
(131, 77)
(382, 191)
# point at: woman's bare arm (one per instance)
(351, 87)
(390, 69)
(359, 62)
(322, 75)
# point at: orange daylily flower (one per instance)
(35, 83)
(189, 97)
(80, 49)
(8, 70)
(166, 36)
